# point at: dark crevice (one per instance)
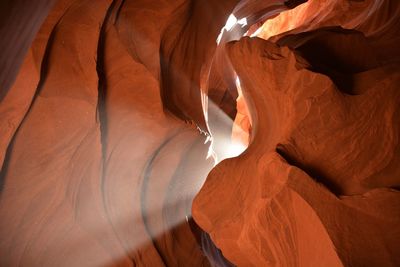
(326, 51)
(43, 75)
(168, 68)
(4, 169)
(228, 103)
(312, 171)
(118, 9)
(213, 253)
(25, 20)
(101, 105)
(294, 3)
(113, 9)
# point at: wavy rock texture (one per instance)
(96, 173)
(323, 183)
(308, 117)
(107, 108)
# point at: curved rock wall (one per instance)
(114, 113)
(318, 185)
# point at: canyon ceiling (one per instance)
(200, 133)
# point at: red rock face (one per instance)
(317, 185)
(106, 125)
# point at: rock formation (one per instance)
(122, 119)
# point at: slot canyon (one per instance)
(199, 133)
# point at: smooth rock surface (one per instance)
(113, 114)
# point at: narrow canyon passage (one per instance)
(200, 133)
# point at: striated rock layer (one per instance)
(96, 172)
(318, 184)
(113, 113)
